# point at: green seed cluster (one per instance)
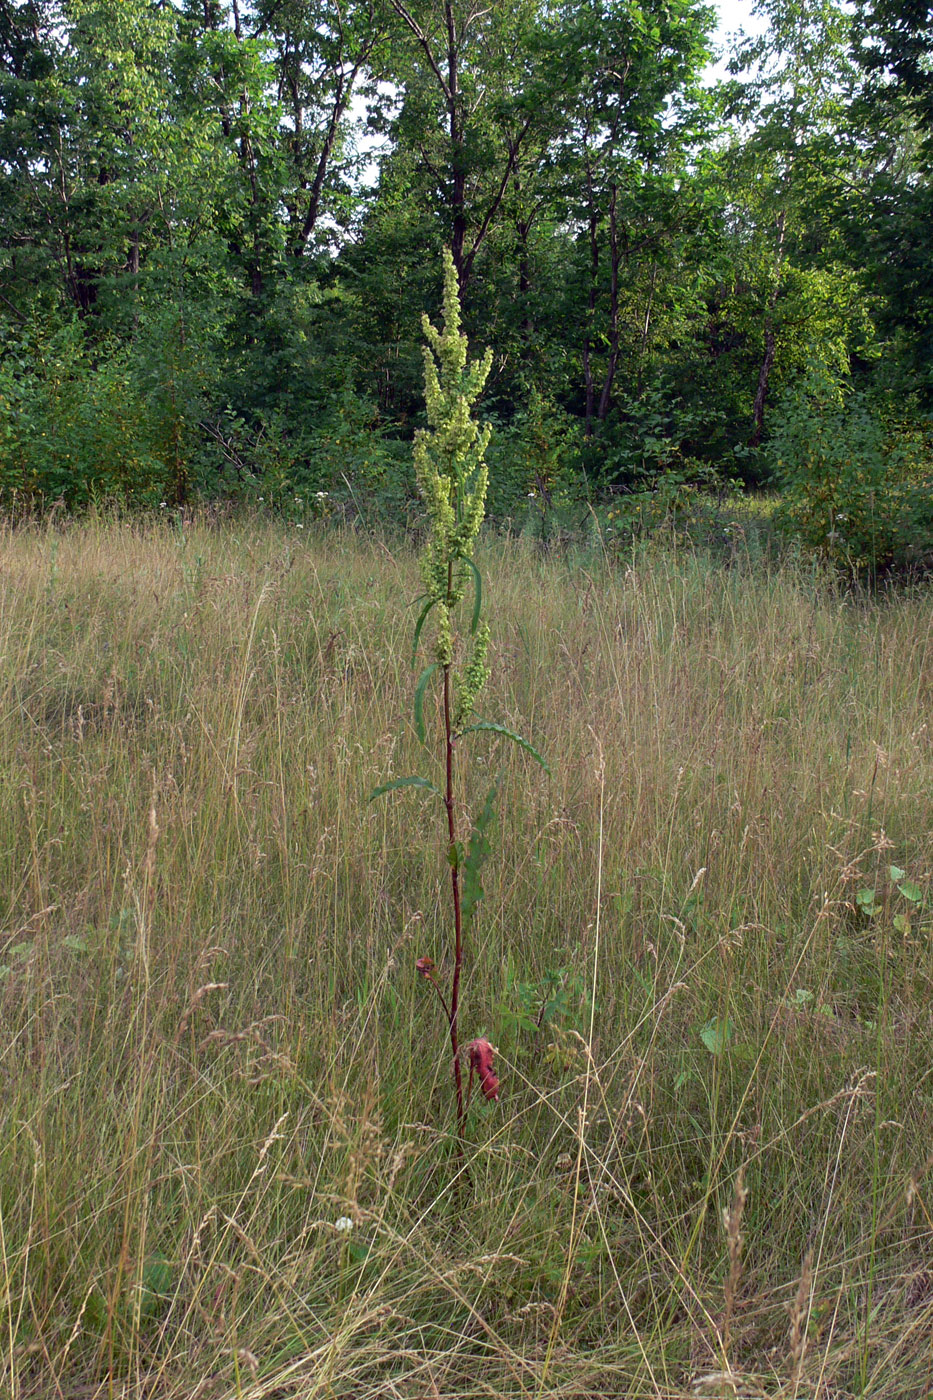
(452, 474)
(474, 675)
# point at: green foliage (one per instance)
(896, 900)
(206, 292)
(75, 430)
(855, 481)
(561, 998)
(534, 457)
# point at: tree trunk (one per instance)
(606, 395)
(758, 413)
(457, 154)
(317, 185)
(523, 228)
(588, 383)
(764, 374)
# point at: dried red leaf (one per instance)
(481, 1053)
(425, 966)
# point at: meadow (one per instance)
(704, 955)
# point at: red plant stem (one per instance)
(455, 890)
(458, 919)
(437, 987)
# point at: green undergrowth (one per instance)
(226, 1158)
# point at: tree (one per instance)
(889, 233)
(792, 164)
(632, 109)
(895, 44)
(470, 101)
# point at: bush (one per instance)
(75, 431)
(855, 480)
(84, 421)
(534, 458)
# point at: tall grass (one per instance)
(213, 1047)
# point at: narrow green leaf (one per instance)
(485, 726)
(477, 595)
(478, 849)
(422, 619)
(414, 782)
(419, 698)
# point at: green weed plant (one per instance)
(452, 476)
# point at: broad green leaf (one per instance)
(157, 1285)
(414, 782)
(419, 697)
(358, 1250)
(716, 1034)
(865, 899)
(75, 943)
(902, 924)
(896, 873)
(911, 891)
(484, 726)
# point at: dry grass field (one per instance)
(705, 956)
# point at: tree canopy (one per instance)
(222, 221)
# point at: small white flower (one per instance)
(298, 525)
(162, 505)
(344, 1225)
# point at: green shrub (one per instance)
(346, 456)
(534, 459)
(71, 430)
(82, 422)
(855, 479)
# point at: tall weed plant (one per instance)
(452, 476)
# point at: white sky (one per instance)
(733, 16)
(736, 14)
